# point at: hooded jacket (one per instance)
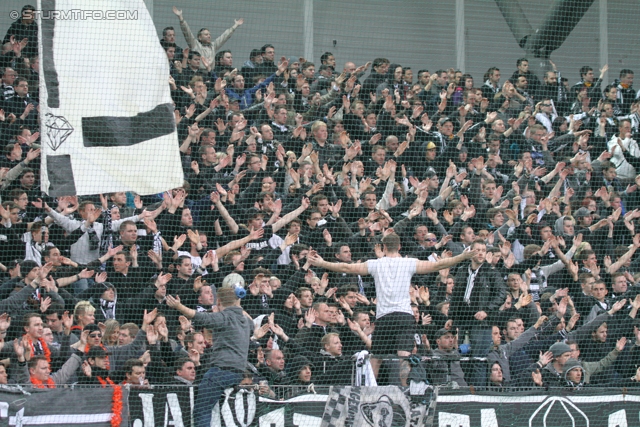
(502, 353)
(333, 370)
(570, 366)
(445, 368)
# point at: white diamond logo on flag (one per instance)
(58, 130)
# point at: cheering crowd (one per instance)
(511, 206)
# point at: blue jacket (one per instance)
(246, 98)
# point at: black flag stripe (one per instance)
(48, 64)
(108, 131)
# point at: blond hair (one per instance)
(83, 307)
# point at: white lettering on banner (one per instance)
(147, 409)
(567, 407)
(301, 420)
(273, 419)
(488, 418)
(173, 406)
(18, 419)
(551, 410)
(4, 409)
(618, 419)
(446, 419)
(238, 417)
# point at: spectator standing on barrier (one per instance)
(395, 324)
(232, 330)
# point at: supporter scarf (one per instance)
(40, 384)
(108, 308)
(45, 349)
(116, 404)
(106, 359)
(105, 381)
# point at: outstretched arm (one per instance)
(192, 41)
(222, 38)
(425, 267)
(626, 257)
(174, 302)
(340, 267)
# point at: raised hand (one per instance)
(163, 279)
(149, 317)
(536, 376)
(172, 301)
(185, 324)
(619, 305)
(112, 251)
(152, 335)
(45, 304)
(545, 358)
(426, 319)
(178, 241)
(19, 349)
(310, 317)
(261, 331)
(5, 322)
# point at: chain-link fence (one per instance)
(319, 212)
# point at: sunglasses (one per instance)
(96, 335)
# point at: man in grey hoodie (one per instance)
(501, 352)
(232, 330)
(445, 362)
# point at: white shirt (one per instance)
(626, 172)
(470, 283)
(393, 280)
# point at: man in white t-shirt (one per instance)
(395, 324)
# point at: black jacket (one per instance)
(488, 294)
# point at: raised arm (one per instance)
(624, 258)
(186, 31)
(235, 244)
(565, 258)
(291, 215)
(68, 369)
(222, 38)
(233, 226)
(174, 302)
(68, 224)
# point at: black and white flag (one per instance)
(106, 112)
